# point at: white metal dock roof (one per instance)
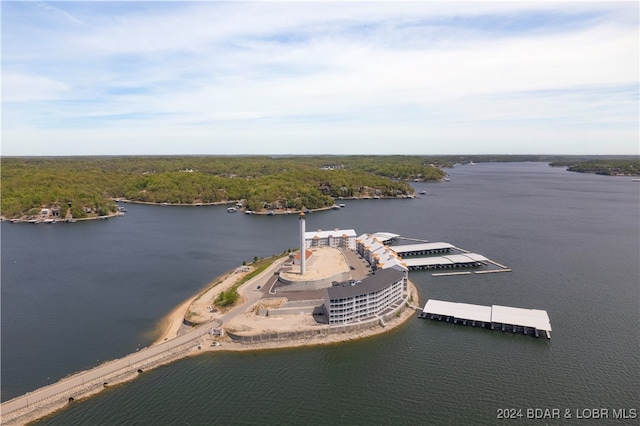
(458, 310)
(534, 318)
(444, 260)
(421, 247)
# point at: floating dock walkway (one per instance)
(462, 259)
(531, 322)
(450, 261)
(422, 249)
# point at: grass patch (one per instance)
(231, 296)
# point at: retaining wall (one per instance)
(314, 284)
(320, 331)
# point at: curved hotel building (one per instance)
(359, 300)
(380, 292)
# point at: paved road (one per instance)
(67, 385)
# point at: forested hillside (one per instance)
(88, 185)
(614, 167)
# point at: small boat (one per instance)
(232, 210)
(270, 213)
(335, 207)
(423, 192)
(342, 205)
(447, 180)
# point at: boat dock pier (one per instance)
(412, 239)
(442, 262)
(454, 257)
(448, 274)
(531, 322)
(422, 249)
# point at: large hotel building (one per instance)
(376, 294)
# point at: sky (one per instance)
(236, 78)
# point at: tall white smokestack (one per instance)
(303, 257)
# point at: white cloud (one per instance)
(28, 88)
(282, 72)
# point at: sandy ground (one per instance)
(173, 323)
(244, 319)
(299, 322)
(322, 260)
(196, 308)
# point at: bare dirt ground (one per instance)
(244, 317)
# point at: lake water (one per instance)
(76, 295)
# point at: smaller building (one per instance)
(358, 300)
(378, 255)
(338, 238)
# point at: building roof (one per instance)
(451, 259)
(421, 247)
(458, 310)
(385, 236)
(533, 318)
(372, 283)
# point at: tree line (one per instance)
(89, 184)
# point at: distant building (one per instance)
(358, 300)
(338, 238)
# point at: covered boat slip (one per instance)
(450, 261)
(533, 322)
(422, 249)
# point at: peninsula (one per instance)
(332, 291)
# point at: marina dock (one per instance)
(421, 249)
(451, 261)
(423, 256)
(531, 322)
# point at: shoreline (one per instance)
(265, 212)
(172, 326)
(42, 409)
(23, 219)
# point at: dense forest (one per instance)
(82, 186)
(611, 167)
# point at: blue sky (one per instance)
(103, 78)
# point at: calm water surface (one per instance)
(75, 295)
